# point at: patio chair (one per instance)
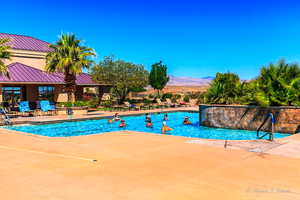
(24, 108)
(131, 106)
(46, 107)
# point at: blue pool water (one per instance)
(137, 123)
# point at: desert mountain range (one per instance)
(189, 81)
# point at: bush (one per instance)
(94, 102)
(107, 103)
(133, 101)
(201, 98)
(225, 89)
(74, 104)
(186, 98)
(151, 96)
(277, 85)
(196, 95)
(147, 101)
(177, 96)
(167, 96)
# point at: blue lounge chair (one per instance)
(47, 107)
(24, 107)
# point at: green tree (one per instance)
(224, 89)
(124, 77)
(4, 54)
(69, 57)
(158, 77)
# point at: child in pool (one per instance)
(116, 117)
(186, 121)
(149, 123)
(122, 124)
(166, 117)
(165, 128)
(148, 118)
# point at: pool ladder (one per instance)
(271, 134)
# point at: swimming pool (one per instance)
(137, 123)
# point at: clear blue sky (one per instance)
(194, 38)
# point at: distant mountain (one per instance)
(189, 81)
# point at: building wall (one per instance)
(32, 93)
(59, 94)
(30, 58)
(250, 117)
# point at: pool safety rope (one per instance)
(50, 154)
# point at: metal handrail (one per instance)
(5, 117)
(271, 135)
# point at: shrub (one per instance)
(225, 89)
(177, 96)
(94, 102)
(107, 103)
(74, 104)
(147, 101)
(201, 98)
(167, 96)
(186, 98)
(196, 95)
(151, 96)
(278, 84)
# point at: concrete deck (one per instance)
(133, 165)
(95, 114)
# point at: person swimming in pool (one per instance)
(122, 124)
(165, 128)
(116, 117)
(110, 121)
(186, 121)
(149, 123)
(166, 117)
(148, 117)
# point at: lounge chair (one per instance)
(131, 106)
(24, 107)
(184, 104)
(46, 107)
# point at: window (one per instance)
(46, 93)
(12, 95)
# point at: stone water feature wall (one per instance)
(250, 117)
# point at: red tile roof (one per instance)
(26, 43)
(20, 73)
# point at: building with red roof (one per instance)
(27, 78)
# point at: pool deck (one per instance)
(133, 165)
(95, 114)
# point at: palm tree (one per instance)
(4, 54)
(279, 83)
(224, 89)
(70, 58)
